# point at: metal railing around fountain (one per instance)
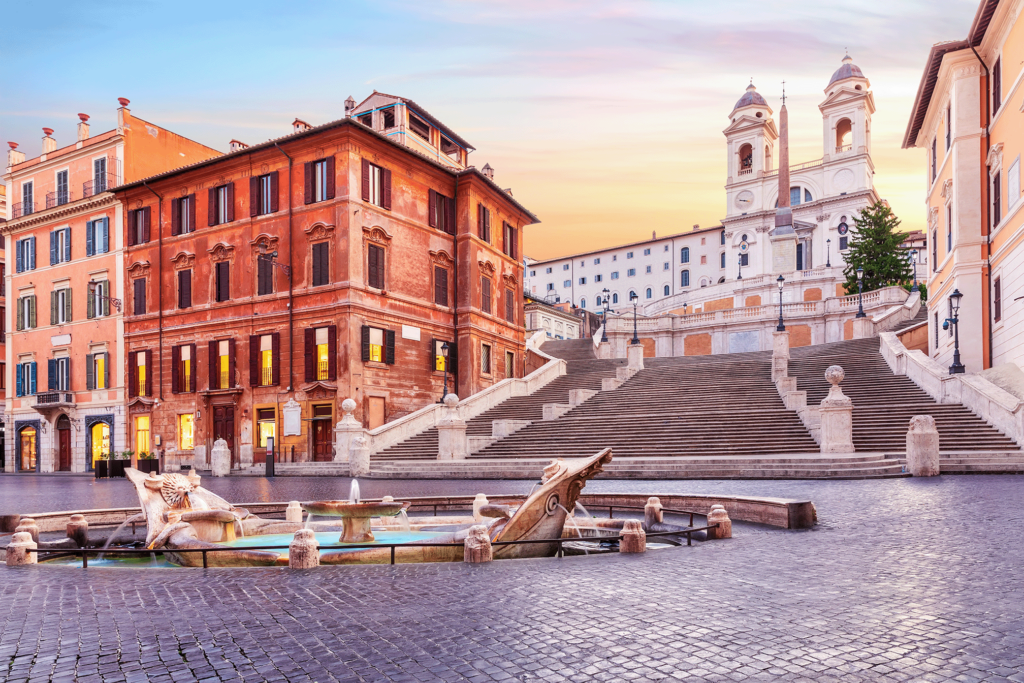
(84, 552)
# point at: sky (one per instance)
(604, 117)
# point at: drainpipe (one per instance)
(291, 308)
(160, 279)
(987, 210)
(455, 273)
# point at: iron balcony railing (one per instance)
(101, 182)
(54, 397)
(22, 209)
(57, 198)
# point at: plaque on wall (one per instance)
(843, 228)
(292, 414)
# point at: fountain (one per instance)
(355, 517)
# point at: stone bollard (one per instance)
(18, 550)
(304, 551)
(293, 513)
(719, 516)
(28, 525)
(478, 503)
(78, 530)
(780, 355)
(359, 457)
(634, 539)
(923, 447)
(220, 459)
(635, 357)
(478, 545)
(836, 415)
(604, 350)
(452, 443)
(652, 512)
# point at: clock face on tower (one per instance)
(744, 199)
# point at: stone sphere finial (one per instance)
(348, 406)
(451, 400)
(834, 374)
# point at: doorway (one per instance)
(224, 428)
(322, 451)
(63, 444)
(27, 449)
(99, 443)
(374, 412)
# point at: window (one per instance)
(665, 266)
(598, 302)
(647, 252)
(615, 257)
(321, 264)
(265, 273)
(437, 359)
(419, 127)
(99, 175)
(263, 191)
(684, 255)
(264, 366)
(97, 237)
(62, 187)
(60, 306)
(547, 271)
(510, 305)
(510, 364)
(597, 261)
(186, 432)
(97, 371)
(997, 85)
(221, 208)
(510, 243)
(60, 246)
(483, 223)
(934, 163)
(223, 281)
(28, 204)
(684, 278)
(485, 294)
(744, 259)
(631, 272)
(183, 215)
(440, 286)
(935, 250)
(378, 345)
(807, 197)
(142, 434)
(321, 353)
(583, 303)
(266, 425)
(533, 273)
(650, 294)
(949, 126)
(615, 298)
(140, 375)
(565, 266)
(26, 254)
(597, 278)
(665, 293)
(485, 359)
(949, 229)
(375, 266)
(319, 181)
(843, 243)
(629, 254)
(376, 184)
(27, 312)
(222, 364)
(441, 212)
(997, 299)
(25, 378)
(583, 280)
(184, 289)
(615, 275)
(722, 260)
(704, 260)
(723, 236)
(183, 369)
(997, 199)
(138, 226)
(648, 269)
(568, 283)
(551, 287)
(936, 326)
(58, 371)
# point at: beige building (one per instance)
(556, 323)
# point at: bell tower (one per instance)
(750, 138)
(846, 113)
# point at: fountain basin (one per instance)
(355, 517)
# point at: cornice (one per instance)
(63, 211)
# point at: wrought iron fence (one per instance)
(22, 209)
(57, 198)
(101, 182)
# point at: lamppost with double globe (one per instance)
(604, 327)
(860, 293)
(781, 326)
(444, 354)
(828, 253)
(635, 299)
(957, 368)
(913, 259)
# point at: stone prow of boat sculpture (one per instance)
(541, 516)
(181, 514)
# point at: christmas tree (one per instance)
(875, 247)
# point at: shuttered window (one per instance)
(264, 275)
(97, 304)
(26, 313)
(138, 226)
(997, 299)
(321, 353)
(485, 294)
(97, 371)
(139, 296)
(437, 358)
(60, 306)
(265, 359)
(183, 373)
(60, 246)
(483, 222)
(26, 254)
(510, 240)
(97, 237)
(263, 194)
(321, 264)
(510, 306)
(222, 364)
(377, 345)
(183, 215)
(375, 266)
(441, 212)
(440, 286)
(184, 289)
(140, 373)
(220, 204)
(319, 180)
(223, 281)
(25, 379)
(376, 185)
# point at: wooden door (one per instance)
(224, 428)
(375, 412)
(322, 450)
(64, 450)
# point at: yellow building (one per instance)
(969, 117)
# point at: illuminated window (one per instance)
(376, 345)
(224, 364)
(142, 434)
(100, 366)
(266, 360)
(323, 354)
(100, 437)
(140, 359)
(184, 369)
(186, 432)
(439, 359)
(27, 447)
(265, 426)
(485, 359)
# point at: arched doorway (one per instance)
(63, 444)
(99, 442)
(27, 449)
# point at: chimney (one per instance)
(696, 226)
(654, 234)
(237, 145)
(83, 127)
(122, 115)
(488, 171)
(49, 144)
(298, 125)
(14, 157)
(350, 104)
(124, 102)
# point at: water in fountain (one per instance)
(309, 520)
(241, 529)
(353, 492)
(575, 525)
(403, 521)
(134, 518)
(583, 509)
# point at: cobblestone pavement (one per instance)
(902, 580)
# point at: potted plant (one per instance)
(117, 463)
(102, 469)
(147, 463)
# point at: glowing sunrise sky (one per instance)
(605, 118)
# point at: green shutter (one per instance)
(90, 372)
(67, 305)
(90, 307)
(106, 300)
(21, 313)
(32, 312)
(53, 307)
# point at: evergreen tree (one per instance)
(875, 247)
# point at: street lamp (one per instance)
(604, 327)
(860, 293)
(271, 258)
(635, 299)
(781, 326)
(957, 368)
(913, 259)
(444, 354)
(739, 275)
(828, 253)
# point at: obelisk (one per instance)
(783, 238)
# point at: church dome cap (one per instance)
(750, 97)
(847, 70)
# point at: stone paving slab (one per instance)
(902, 580)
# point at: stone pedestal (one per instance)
(478, 545)
(780, 355)
(610, 383)
(478, 503)
(863, 327)
(580, 396)
(220, 459)
(783, 250)
(635, 357)
(719, 516)
(304, 551)
(452, 443)
(652, 512)
(923, 447)
(604, 350)
(346, 431)
(293, 513)
(634, 539)
(553, 411)
(18, 550)
(78, 530)
(836, 416)
(29, 526)
(359, 457)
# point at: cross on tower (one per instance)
(783, 92)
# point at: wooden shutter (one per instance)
(332, 352)
(192, 212)
(145, 224)
(211, 206)
(32, 377)
(432, 209)
(133, 375)
(175, 217)
(231, 363)
(440, 286)
(385, 188)
(432, 356)
(90, 304)
(90, 237)
(275, 345)
(509, 306)
(366, 180)
(364, 335)
(223, 281)
(53, 307)
(90, 371)
(254, 360)
(53, 247)
(330, 177)
(32, 253)
(449, 221)
(184, 288)
(192, 368)
(389, 347)
(19, 248)
(150, 370)
(308, 183)
(453, 362)
(175, 369)
(20, 324)
(131, 228)
(309, 350)
(32, 312)
(67, 244)
(139, 298)
(230, 212)
(214, 363)
(254, 196)
(274, 192)
(105, 303)
(51, 374)
(67, 305)
(106, 370)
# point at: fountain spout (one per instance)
(353, 492)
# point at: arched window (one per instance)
(746, 155)
(722, 259)
(744, 238)
(844, 136)
(650, 293)
(632, 295)
(684, 278)
(684, 255)
(723, 237)
(666, 290)
(807, 195)
(583, 303)
(615, 298)
(598, 302)
(703, 282)
(721, 279)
